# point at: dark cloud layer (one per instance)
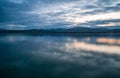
(44, 13)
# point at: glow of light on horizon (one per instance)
(109, 24)
(84, 19)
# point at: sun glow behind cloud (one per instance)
(84, 19)
(110, 24)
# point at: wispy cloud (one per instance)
(110, 24)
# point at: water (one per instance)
(52, 56)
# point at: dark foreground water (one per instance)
(46, 56)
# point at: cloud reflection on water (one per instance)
(56, 56)
(109, 49)
(109, 40)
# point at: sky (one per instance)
(37, 14)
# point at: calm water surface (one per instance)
(46, 56)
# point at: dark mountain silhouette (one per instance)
(61, 30)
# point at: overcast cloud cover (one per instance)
(27, 14)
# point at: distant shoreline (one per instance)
(76, 30)
(55, 31)
(32, 32)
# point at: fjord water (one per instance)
(53, 56)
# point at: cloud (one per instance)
(109, 24)
(17, 1)
(44, 13)
(105, 16)
(103, 22)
